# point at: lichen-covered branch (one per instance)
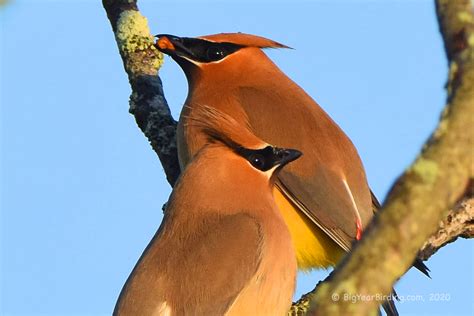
(420, 198)
(458, 223)
(141, 61)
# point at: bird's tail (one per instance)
(389, 305)
(422, 267)
(418, 263)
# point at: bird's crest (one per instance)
(243, 39)
(221, 127)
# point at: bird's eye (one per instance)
(215, 53)
(258, 161)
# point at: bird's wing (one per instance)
(375, 202)
(219, 262)
(328, 182)
(326, 214)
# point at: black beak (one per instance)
(284, 156)
(172, 45)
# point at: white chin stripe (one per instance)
(199, 64)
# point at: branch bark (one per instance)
(417, 201)
(142, 61)
(458, 223)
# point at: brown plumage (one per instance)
(328, 185)
(243, 40)
(223, 247)
(324, 196)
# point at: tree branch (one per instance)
(458, 223)
(420, 197)
(141, 61)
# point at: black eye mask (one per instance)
(268, 157)
(204, 52)
(261, 159)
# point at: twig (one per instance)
(458, 223)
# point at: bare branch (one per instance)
(141, 61)
(458, 223)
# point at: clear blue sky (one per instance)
(81, 189)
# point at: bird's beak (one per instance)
(172, 45)
(285, 156)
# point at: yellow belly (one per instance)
(314, 249)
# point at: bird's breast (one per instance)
(275, 278)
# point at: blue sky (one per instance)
(81, 189)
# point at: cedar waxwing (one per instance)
(223, 246)
(324, 197)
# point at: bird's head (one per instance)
(238, 140)
(214, 52)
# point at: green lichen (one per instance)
(470, 40)
(442, 126)
(442, 129)
(301, 307)
(465, 17)
(453, 70)
(426, 169)
(133, 36)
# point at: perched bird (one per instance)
(324, 197)
(223, 246)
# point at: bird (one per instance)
(223, 247)
(324, 197)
